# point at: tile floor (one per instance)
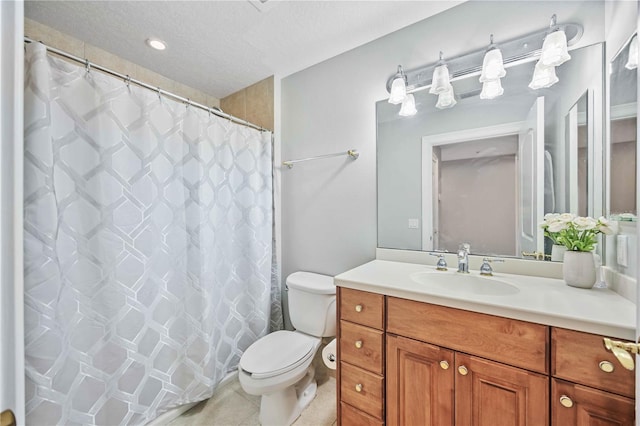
(231, 406)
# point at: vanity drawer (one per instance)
(577, 357)
(362, 389)
(518, 343)
(361, 346)
(349, 416)
(362, 307)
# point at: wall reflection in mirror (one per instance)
(623, 110)
(486, 171)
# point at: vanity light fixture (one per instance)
(632, 62)
(550, 42)
(156, 43)
(440, 83)
(398, 87)
(408, 107)
(554, 49)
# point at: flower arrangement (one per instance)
(576, 233)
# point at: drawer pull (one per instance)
(566, 402)
(463, 370)
(359, 387)
(606, 366)
(358, 344)
(444, 365)
(358, 308)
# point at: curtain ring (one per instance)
(159, 94)
(188, 103)
(87, 65)
(127, 80)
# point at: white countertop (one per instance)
(540, 300)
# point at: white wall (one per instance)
(329, 206)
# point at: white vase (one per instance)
(579, 269)
(557, 252)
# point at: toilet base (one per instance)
(282, 408)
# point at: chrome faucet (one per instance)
(463, 258)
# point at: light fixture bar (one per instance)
(514, 52)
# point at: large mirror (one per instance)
(622, 142)
(485, 172)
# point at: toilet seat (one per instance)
(277, 353)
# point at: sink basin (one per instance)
(465, 283)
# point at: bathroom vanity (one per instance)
(529, 351)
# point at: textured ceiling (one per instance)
(220, 47)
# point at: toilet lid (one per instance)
(277, 353)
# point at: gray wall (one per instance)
(329, 206)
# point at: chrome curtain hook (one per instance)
(554, 23)
(159, 94)
(127, 81)
(188, 103)
(87, 65)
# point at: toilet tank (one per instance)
(312, 303)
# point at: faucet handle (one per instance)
(486, 269)
(466, 247)
(442, 263)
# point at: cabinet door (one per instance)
(584, 406)
(493, 394)
(419, 383)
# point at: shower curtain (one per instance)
(148, 247)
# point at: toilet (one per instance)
(278, 366)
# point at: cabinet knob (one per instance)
(444, 365)
(358, 344)
(566, 402)
(359, 387)
(358, 308)
(606, 366)
(463, 370)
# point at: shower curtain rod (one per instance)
(127, 79)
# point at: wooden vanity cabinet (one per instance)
(432, 365)
(589, 385)
(443, 384)
(360, 372)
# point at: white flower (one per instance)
(584, 223)
(607, 227)
(551, 217)
(557, 226)
(566, 217)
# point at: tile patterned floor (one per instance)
(231, 406)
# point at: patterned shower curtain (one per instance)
(148, 247)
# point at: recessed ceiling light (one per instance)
(156, 44)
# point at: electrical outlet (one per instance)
(622, 250)
(414, 223)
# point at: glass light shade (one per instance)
(491, 89)
(554, 49)
(632, 63)
(492, 66)
(398, 91)
(446, 99)
(440, 81)
(408, 107)
(543, 76)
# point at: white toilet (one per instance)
(278, 366)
